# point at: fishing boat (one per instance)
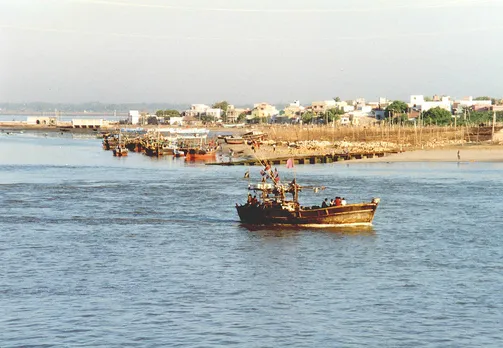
(178, 153)
(232, 140)
(274, 208)
(195, 154)
(254, 135)
(120, 150)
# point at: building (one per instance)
(263, 110)
(417, 102)
(294, 110)
(88, 123)
(216, 113)
(176, 121)
(320, 107)
(42, 120)
(233, 113)
(134, 117)
(196, 110)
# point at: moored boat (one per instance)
(232, 140)
(200, 154)
(120, 151)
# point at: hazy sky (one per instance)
(244, 51)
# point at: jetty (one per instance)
(302, 159)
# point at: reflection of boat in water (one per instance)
(273, 208)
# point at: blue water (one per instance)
(137, 252)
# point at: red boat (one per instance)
(200, 154)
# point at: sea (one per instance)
(98, 251)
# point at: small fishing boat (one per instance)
(195, 154)
(233, 140)
(178, 153)
(120, 150)
(273, 208)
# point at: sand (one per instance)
(467, 153)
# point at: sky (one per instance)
(248, 51)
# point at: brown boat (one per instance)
(232, 140)
(273, 208)
(120, 151)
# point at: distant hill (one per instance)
(91, 107)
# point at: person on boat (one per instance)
(254, 200)
(343, 201)
(324, 204)
(338, 201)
(250, 199)
(276, 178)
(332, 202)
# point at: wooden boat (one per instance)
(120, 151)
(178, 153)
(200, 154)
(255, 135)
(273, 208)
(232, 140)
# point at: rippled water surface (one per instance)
(112, 252)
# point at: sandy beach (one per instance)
(477, 153)
(467, 153)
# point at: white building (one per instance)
(41, 120)
(134, 117)
(176, 121)
(469, 102)
(87, 123)
(216, 113)
(418, 103)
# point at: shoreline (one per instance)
(468, 152)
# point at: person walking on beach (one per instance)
(459, 156)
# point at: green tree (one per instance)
(159, 113)
(307, 117)
(483, 98)
(337, 99)
(396, 109)
(152, 120)
(398, 106)
(437, 116)
(333, 114)
(241, 117)
(223, 105)
(171, 113)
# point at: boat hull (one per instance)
(122, 153)
(348, 215)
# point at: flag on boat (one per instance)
(289, 163)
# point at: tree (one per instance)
(159, 113)
(398, 106)
(437, 116)
(333, 114)
(307, 117)
(152, 120)
(483, 98)
(396, 109)
(223, 105)
(241, 117)
(337, 99)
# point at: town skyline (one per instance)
(75, 51)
